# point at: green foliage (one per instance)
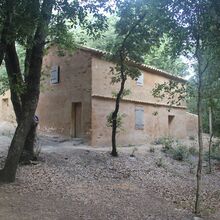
(126, 92)
(4, 84)
(152, 149)
(167, 143)
(175, 150)
(160, 162)
(193, 151)
(179, 153)
(173, 91)
(215, 152)
(161, 57)
(119, 120)
(192, 137)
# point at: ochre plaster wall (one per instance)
(154, 125)
(85, 78)
(192, 124)
(55, 104)
(101, 83)
(155, 111)
(6, 108)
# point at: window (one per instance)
(140, 80)
(5, 105)
(139, 118)
(55, 75)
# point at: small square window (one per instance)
(140, 80)
(5, 102)
(55, 75)
(139, 118)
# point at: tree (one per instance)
(162, 58)
(194, 29)
(35, 24)
(136, 31)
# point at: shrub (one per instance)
(152, 149)
(215, 151)
(192, 138)
(167, 144)
(180, 153)
(193, 151)
(133, 152)
(159, 162)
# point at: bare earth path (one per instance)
(77, 182)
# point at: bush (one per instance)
(152, 149)
(180, 153)
(215, 151)
(167, 144)
(159, 162)
(193, 151)
(192, 138)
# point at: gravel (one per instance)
(79, 182)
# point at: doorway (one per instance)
(76, 120)
(171, 124)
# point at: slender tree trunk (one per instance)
(200, 139)
(210, 139)
(114, 152)
(210, 150)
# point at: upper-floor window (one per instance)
(140, 80)
(55, 75)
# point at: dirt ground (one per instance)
(79, 182)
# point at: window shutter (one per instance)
(139, 118)
(140, 80)
(55, 75)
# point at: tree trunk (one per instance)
(200, 139)
(4, 38)
(210, 150)
(30, 96)
(28, 151)
(16, 81)
(114, 152)
(8, 173)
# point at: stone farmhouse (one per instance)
(76, 98)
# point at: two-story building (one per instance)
(76, 99)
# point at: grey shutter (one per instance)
(139, 118)
(140, 80)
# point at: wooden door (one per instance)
(76, 120)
